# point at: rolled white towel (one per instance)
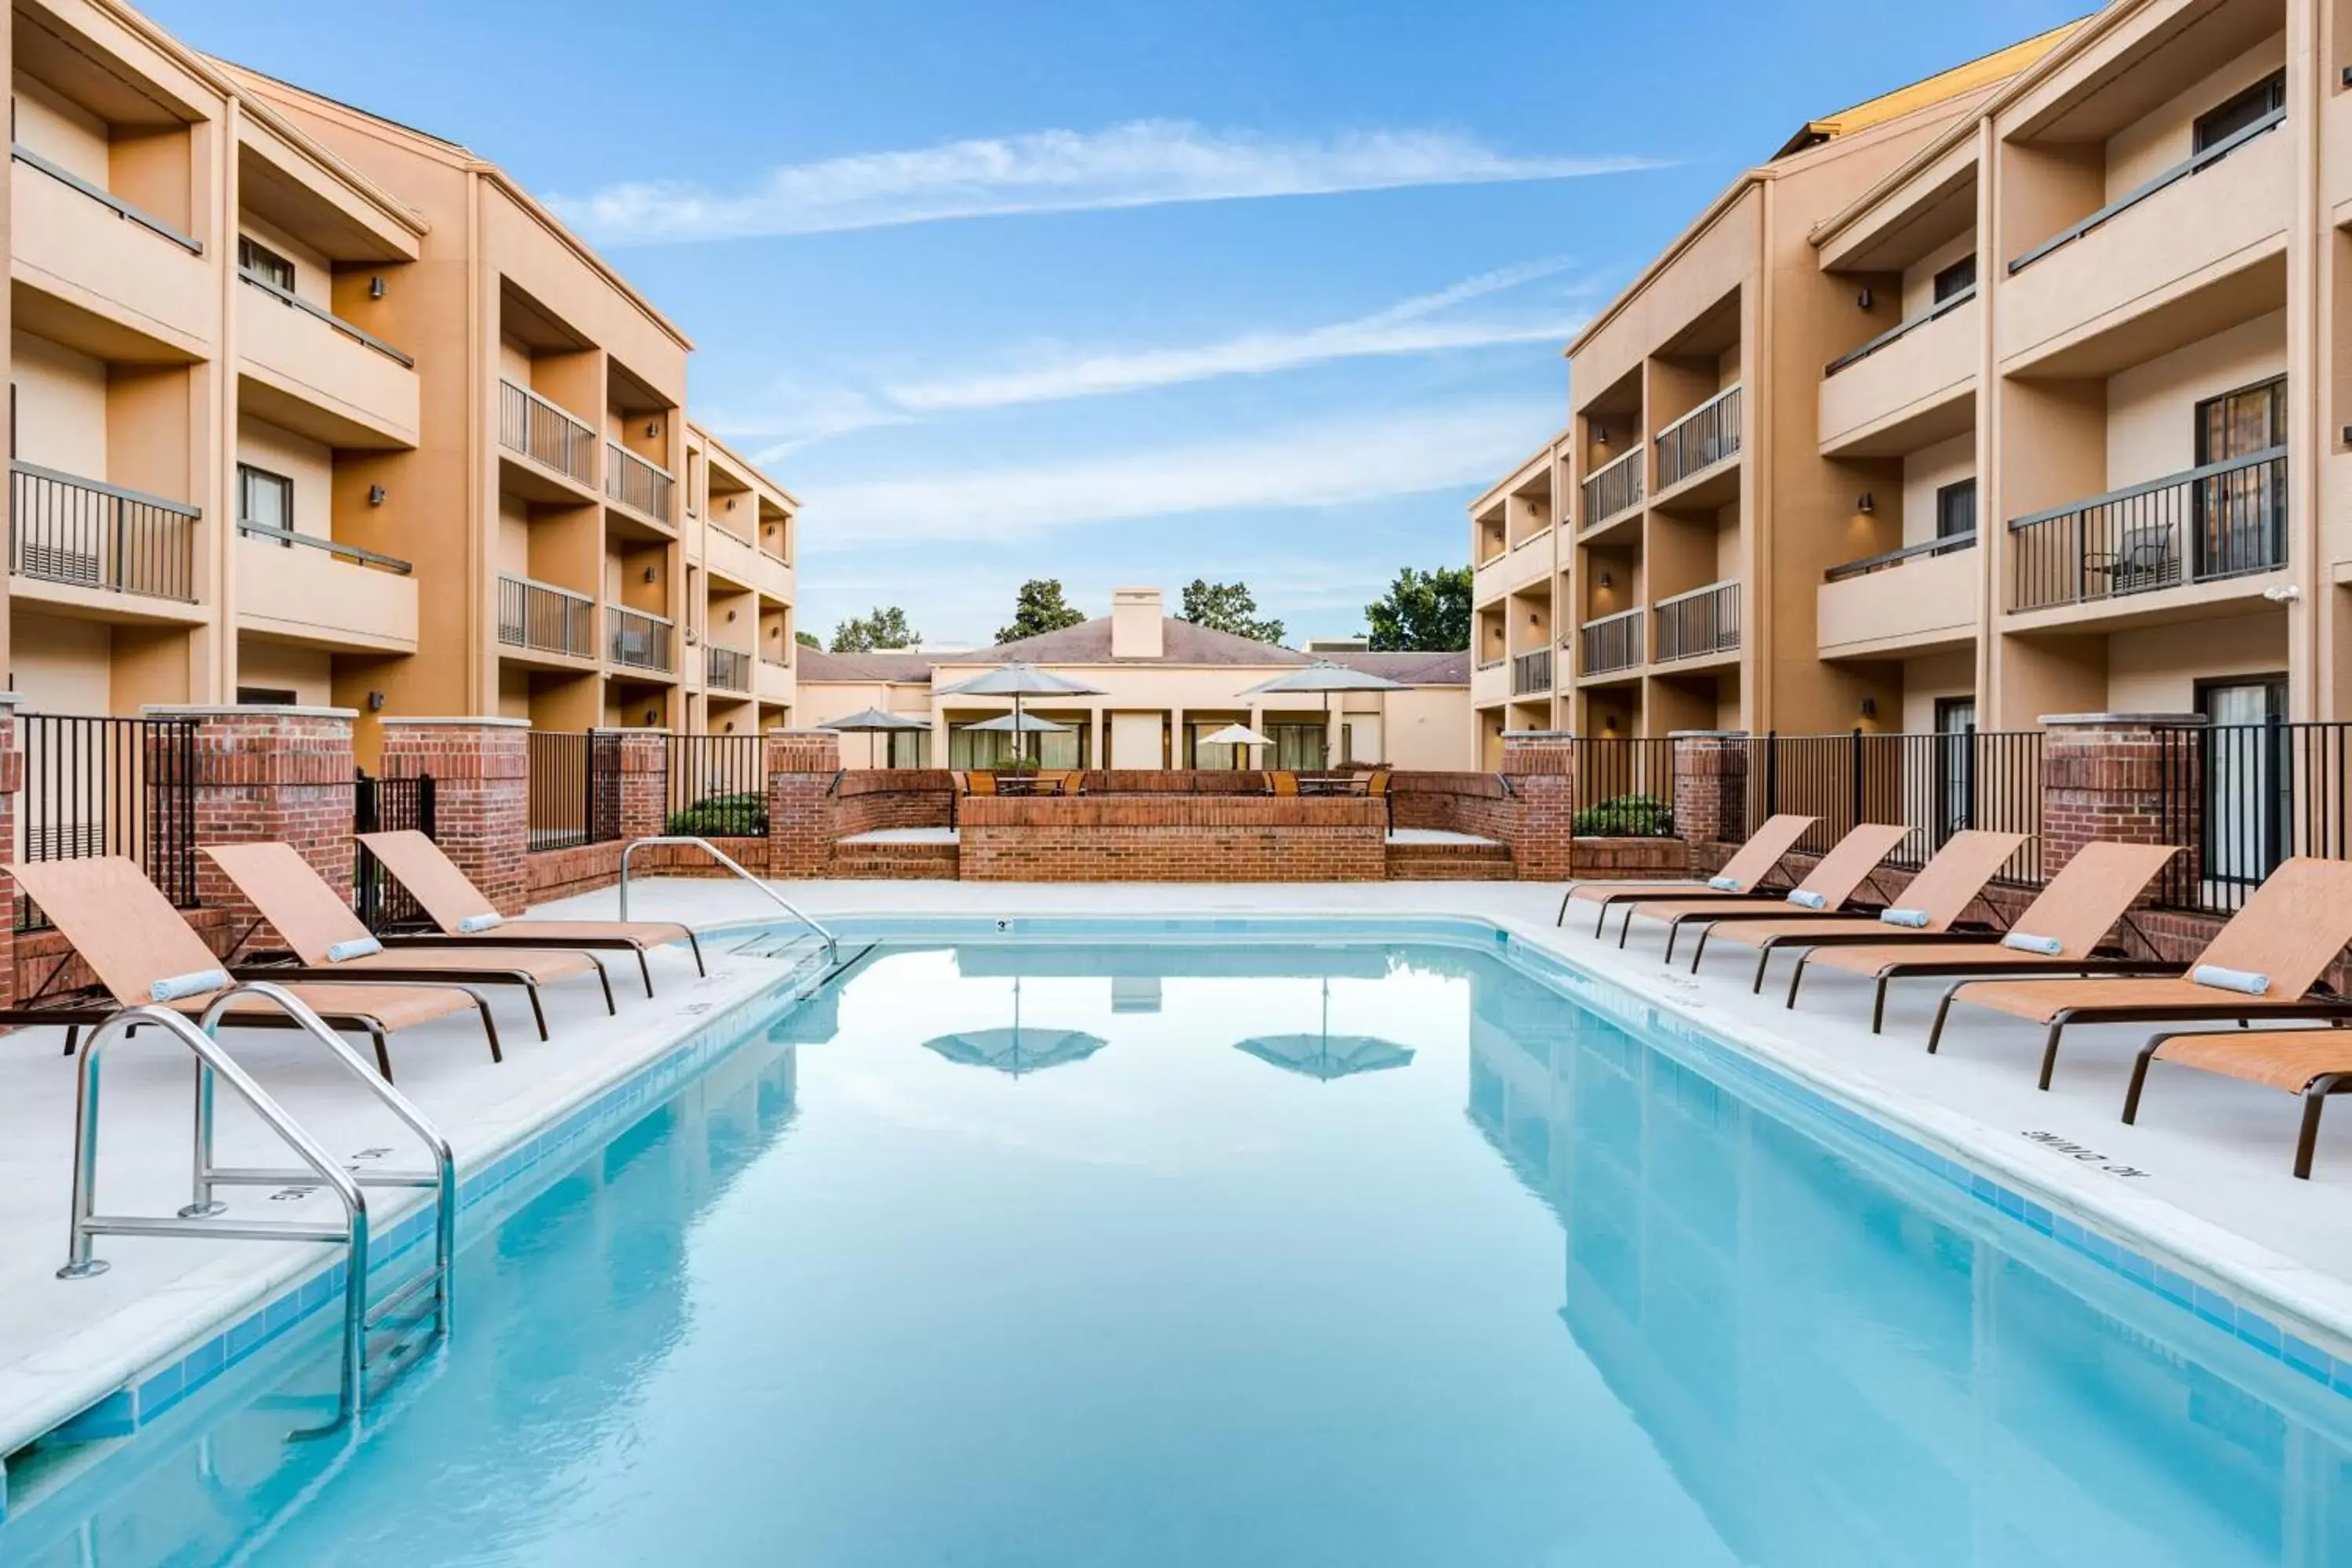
(1916, 918)
(2222, 979)
(2025, 941)
(1805, 900)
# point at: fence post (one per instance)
(12, 783)
(1539, 765)
(481, 779)
(802, 767)
(1710, 785)
(2127, 778)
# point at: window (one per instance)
(264, 499)
(263, 263)
(267, 697)
(1957, 278)
(1955, 508)
(2235, 114)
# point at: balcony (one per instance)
(1531, 673)
(2175, 260)
(531, 424)
(726, 555)
(1921, 598)
(1610, 645)
(636, 640)
(321, 592)
(2213, 524)
(1696, 624)
(1907, 388)
(1612, 491)
(1490, 682)
(545, 618)
(1698, 441)
(638, 485)
(127, 280)
(727, 668)
(314, 373)
(774, 678)
(95, 540)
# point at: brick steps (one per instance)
(894, 862)
(1449, 863)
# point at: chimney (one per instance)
(1134, 623)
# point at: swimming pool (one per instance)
(1246, 1252)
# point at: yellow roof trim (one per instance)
(1983, 71)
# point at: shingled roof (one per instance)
(1182, 642)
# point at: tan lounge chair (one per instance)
(1756, 860)
(2076, 910)
(1953, 879)
(132, 938)
(2313, 1063)
(449, 898)
(2289, 931)
(314, 921)
(1835, 878)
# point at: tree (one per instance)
(885, 628)
(1424, 612)
(809, 639)
(1228, 607)
(1040, 607)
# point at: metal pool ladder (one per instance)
(832, 942)
(366, 1331)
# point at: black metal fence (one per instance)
(388, 806)
(574, 790)
(98, 786)
(1627, 785)
(1938, 784)
(2239, 798)
(717, 786)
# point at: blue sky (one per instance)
(1119, 293)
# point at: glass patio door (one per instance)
(2240, 516)
(2246, 784)
(1956, 756)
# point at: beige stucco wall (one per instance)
(2165, 135)
(60, 405)
(1924, 472)
(2151, 407)
(2156, 669)
(308, 673)
(310, 464)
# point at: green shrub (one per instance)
(1627, 817)
(743, 815)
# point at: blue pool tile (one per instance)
(2261, 1333)
(206, 1360)
(2305, 1356)
(246, 1337)
(2175, 1286)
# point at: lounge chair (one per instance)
(1953, 879)
(2289, 931)
(453, 903)
(2312, 1062)
(133, 939)
(1824, 893)
(2071, 917)
(316, 923)
(1742, 875)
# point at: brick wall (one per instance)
(12, 783)
(641, 757)
(802, 765)
(1540, 769)
(1173, 838)
(1711, 785)
(2104, 777)
(481, 771)
(871, 800)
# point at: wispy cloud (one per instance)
(1330, 463)
(1146, 163)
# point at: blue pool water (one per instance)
(1254, 1254)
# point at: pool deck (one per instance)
(2203, 1179)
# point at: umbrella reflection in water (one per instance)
(1017, 1050)
(1325, 1055)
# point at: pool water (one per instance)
(1256, 1254)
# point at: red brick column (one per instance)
(1539, 767)
(12, 783)
(1711, 785)
(481, 783)
(267, 775)
(643, 762)
(802, 767)
(2129, 778)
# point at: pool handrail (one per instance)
(832, 942)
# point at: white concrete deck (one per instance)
(904, 836)
(2215, 1194)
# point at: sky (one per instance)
(1122, 293)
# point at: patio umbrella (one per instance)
(1326, 677)
(1016, 1050)
(1018, 723)
(1324, 1055)
(1237, 736)
(870, 722)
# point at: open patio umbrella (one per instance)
(1018, 724)
(1016, 1050)
(1324, 1055)
(1239, 737)
(870, 722)
(1019, 680)
(1326, 677)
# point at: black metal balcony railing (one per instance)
(1902, 330)
(1612, 489)
(537, 429)
(2180, 170)
(1893, 558)
(105, 198)
(358, 334)
(1610, 644)
(727, 668)
(2224, 519)
(634, 482)
(1699, 439)
(1702, 621)
(64, 529)
(1531, 673)
(542, 616)
(641, 641)
(334, 547)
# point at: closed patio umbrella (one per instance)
(1324, 1055)
(872, 721)
(1326, 677)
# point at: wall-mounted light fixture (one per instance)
(653, 428)
(652, 715)
(1600, 434)
(375, 701)
(1870, 707)
(375, 287)
(652, 574)
(377, 494)
(730, 726)
(1864, 503)
(1865, 299)
(1607, 581)
(730, 617)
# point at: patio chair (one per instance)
(2262, 964)
(1282, 783)
(1824, 893)
(317, 925)
(135, 941)
(2061, 932)
(1741, 878)
(1953, 879)
(453, 903)
(2313, 1063)
(978, 782)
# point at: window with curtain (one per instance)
(2235, 114)
(1955, 508)
(1300, 747)
(265, 499)
(1952, 279)
(263, 263)
(910, 748)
